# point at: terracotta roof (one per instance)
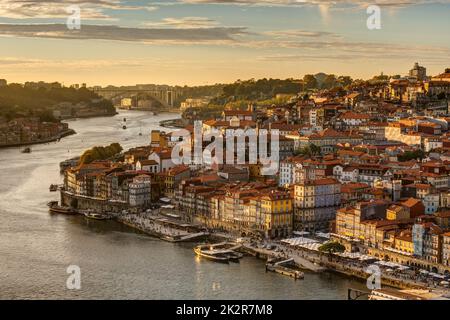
(411, 202)
(148, 162)
(352, 115)
(324, 181)
(237, 112)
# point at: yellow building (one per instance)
(404, 242)
(158, 139)
(277, 209)
(396, 212)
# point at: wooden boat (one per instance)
(96, 216)
(55, 208)
(211, 255)
(53, 188)
(26, 150)
(234, 256)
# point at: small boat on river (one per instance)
(96, 216)
(26, 150)
(213, 253)
(55, 208)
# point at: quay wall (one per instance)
(51, 139)
(97, 205)
(394, 256)
(386, 281)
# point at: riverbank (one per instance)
(172, 123)
(51, 139)
(91, 115)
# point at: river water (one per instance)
(115, 261)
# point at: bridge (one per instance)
(165, 96)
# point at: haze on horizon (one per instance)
(198, 42)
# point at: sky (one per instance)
(200, 42)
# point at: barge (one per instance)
(286, 268)
(53, 207)
(218, 253)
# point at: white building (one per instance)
(430, 143)
(295, 170)
(147, 165)
(345, 174)
(431, 203)
(163, 159)
(140, 191)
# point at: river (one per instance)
(116, 262)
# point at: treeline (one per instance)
(17, 100)
(261, 89)
(324, 81)
(202, 91)
(100, 153)
(211, 111)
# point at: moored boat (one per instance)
(212, 255)
(234, 256)
(55, 208)
(96, 216)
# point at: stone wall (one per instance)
(97, 205)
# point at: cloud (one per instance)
(90, 9)
(297, 33)
(116, 33)
(186, 22)
(324, 3)
(370, 52)
(75, 64)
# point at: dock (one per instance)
(268, 254)
(285, 267)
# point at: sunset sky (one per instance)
(197, 42)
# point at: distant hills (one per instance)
(25, 101)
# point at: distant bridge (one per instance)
(166, 97)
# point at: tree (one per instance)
(310, 82)
(332, 247)
(309, 150)
(345, 81)
(100, 153)
(329, 81)
(412, 155)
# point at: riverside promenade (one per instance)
(161, 227)
(298, 258)
(358, 269)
